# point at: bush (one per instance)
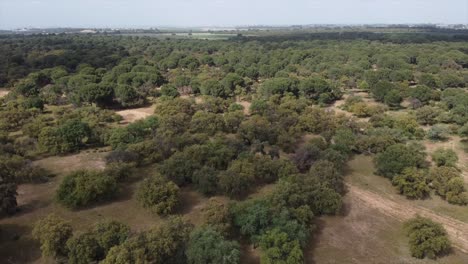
(81, 188)
(438, 133)
(158, 194)
(444, 157)
(448, 183)
(426, 238)
(208, 246)
(398, 157)
(52, 233)
(412, 183)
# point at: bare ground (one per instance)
(3, 92)
(132, 115)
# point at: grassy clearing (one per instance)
(364, 235)
(362, 175)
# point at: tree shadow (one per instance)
(314, 239)
(17, 245)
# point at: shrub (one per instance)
(83, 249)
(426, 238)
(52, 232)
(448, 183)
(412, 183)
(158, 194)
(444, 157)
(438, 133)
(81, 188)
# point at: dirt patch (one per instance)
(246, 106)
(132, 115)
(4, 92)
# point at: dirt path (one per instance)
(457, 230)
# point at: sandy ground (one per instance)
(3, 92)
(132, 115)
(402, 211)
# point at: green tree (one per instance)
(52, 232)
(208, 246)
(426, 238)
(110, 234)
(277, 247)
(8, 192)
(81, 188)
(83, 249)
(158, 194)
(398, 157)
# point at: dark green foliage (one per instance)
(109, 234)
(52, 232)
(82, 188)
(207, 246)
(398, 157)
(426, 238)
(158, 195)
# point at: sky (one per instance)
(183, 13)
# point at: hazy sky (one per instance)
(133, 13)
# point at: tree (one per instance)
(238, 179)
(398, 157)
(277, 247)
(444, 157)
(67, 137)
(110, 234)
(164, 244)
(393, 98)
(208, 246)
(217, 215)
(126, 95)
(169, 91)
(448, 183)
(426, 238)
(158, 194)
(83, 249)
(81, 188)
(206, 180)
(412, 183)
(52, 232)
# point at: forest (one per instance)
(133, 149)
